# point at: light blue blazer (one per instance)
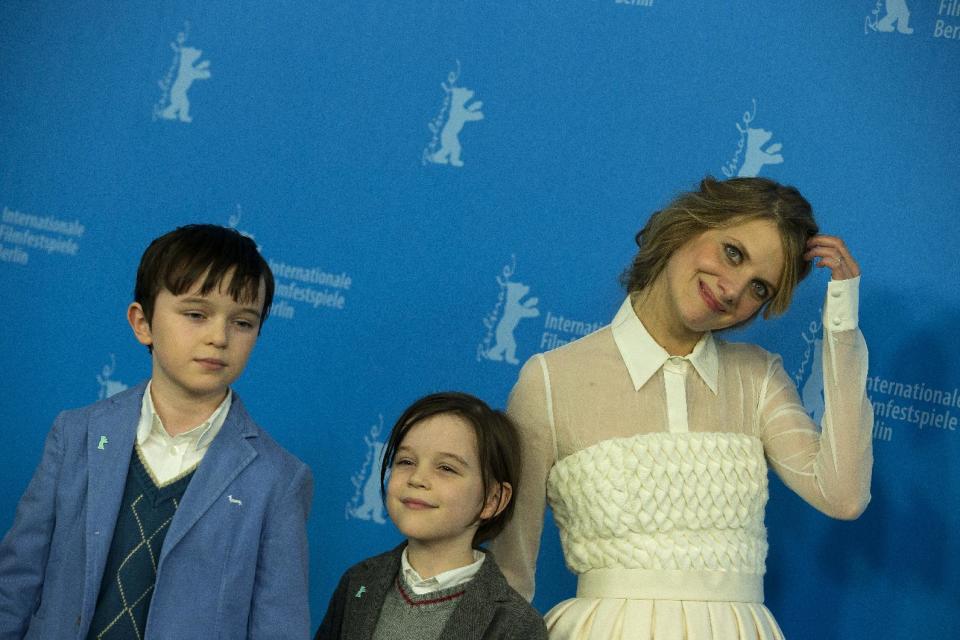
(233, 564)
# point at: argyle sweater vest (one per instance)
(131, 572)
(408, 616)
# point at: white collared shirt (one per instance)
(444, 580)
(169, 457)
(643, 356)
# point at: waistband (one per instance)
(670, 584)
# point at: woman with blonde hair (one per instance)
(651, 438)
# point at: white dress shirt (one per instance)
(167, 457)
(444, 580)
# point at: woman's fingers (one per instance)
(832, 252)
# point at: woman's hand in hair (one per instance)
(833, 254)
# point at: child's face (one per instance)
(435, 495)
(200, 342)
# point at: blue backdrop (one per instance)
(446, 188)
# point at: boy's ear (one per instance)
(138, 322)
(497, 500)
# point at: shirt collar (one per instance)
(444, 580)
(202, 435)
(644, 357)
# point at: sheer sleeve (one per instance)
(530, 407)
(830, 466)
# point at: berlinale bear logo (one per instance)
(367, 503)
(500, 344)
(184, 70)
(444, 146)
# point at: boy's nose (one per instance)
(417, 479)
(218, 334)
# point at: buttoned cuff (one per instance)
(842, 307)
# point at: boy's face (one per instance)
(200, 342)
(435, 495)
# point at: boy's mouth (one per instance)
(210, 363)
(413, 503)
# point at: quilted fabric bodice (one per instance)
(684, 501)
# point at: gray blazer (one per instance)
(490, 609)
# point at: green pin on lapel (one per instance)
(362, 590)
(102, 443)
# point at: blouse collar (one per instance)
(644, 357)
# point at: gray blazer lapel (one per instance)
(473, 615)
(111, 433)
(228, 455)
(362, 610)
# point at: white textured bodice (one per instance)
(690, 501)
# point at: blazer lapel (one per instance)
(111, 433)
(228, 455)
(474, 613)
(368, 590)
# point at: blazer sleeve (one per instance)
(280, 604)
(530, 626)
(26, 547)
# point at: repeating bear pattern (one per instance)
(692, 501)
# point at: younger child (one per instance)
(454, 464)
(164, 511)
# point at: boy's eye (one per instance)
(244, 324)
(194, 315)
(733, 253)
(400, 462)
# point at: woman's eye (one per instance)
(447, 468)
(733, 253)
(760, 290)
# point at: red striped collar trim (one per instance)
(419, 603)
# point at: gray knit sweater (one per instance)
(408, 616)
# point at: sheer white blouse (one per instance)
(618, 382)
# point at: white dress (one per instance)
(656, 470)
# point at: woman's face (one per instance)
(723, 276)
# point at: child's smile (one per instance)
(435, 495)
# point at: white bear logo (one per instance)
(812, 392)
(109, 387)
(750, 148)
(809, 376)
(367, 504)
(897, 13)
(234, 223)
(460, 113)
(187, 72)
(755, 156)
(514, 311)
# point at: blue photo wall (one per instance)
(444, 189)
